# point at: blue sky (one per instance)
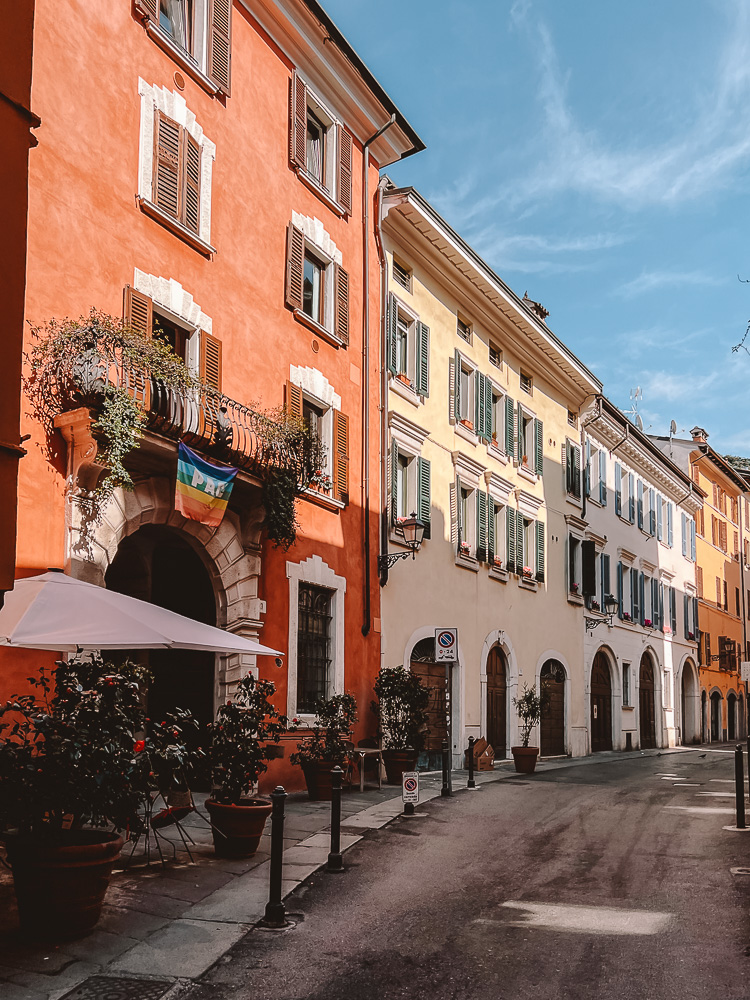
(598, 155)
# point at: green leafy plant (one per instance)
(401, 708)
(330, 738)
(529, 708)
(300, 455)
(239, 750)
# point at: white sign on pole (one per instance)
(745, 670)
(410, 786)
(446, 645)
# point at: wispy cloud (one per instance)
(530, 253)
(672, 388)
(649, 281)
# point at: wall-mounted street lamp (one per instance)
(411, 529)
(611, 604)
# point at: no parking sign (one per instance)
(446, 645)
(410, 786)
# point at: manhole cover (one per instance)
(118, 988)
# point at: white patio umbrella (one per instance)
(54, 611)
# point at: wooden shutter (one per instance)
(539, 530)
(692, 539)
(635, 603)
(654, 601)
(722, 535)
(481, 552)
(519, 433)
(576, 470)
(659, 519)
(298, 124)
(631, 497)
(618, 488)
(480, 407)
(341, 318)
(220, 44)
(168, 166)
(673, 609)
(670, 526)
(490, 530)
(192, 192)
(138, 311)
(423, 359)
(640, 503)
(699, 580)
(605, 577)
(520, 543)
(510, 410)
(210, 360)
(488, 407)
(510, 538)
(603, 478)
(455, 528)
(295, 264)
(340, 456)
(456, 386)
(392, 319)
(588, 568)
(683, 523)
(293, 400)
(620, 608)
(394, 482)
(686, 613)
(149, 9)
(587, 471)
(642, 596)
(344, 174)
(696, 630)
(539, 447)
(424, 501)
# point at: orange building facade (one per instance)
(209, 178)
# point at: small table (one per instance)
(363, 752)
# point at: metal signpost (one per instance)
(446, 651)
(410, 791)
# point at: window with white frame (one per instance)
(497, 533)
(185, 24)
(625, 493)
(498, 420)
(310, 396)
(526, 435)
(317, 286)
(320, 146)
(626, 685)
(467, 502)
(464, 395)
(408, 347)
(196, 33)
(573, 469)
(574, 564)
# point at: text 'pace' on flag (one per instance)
(203, 488)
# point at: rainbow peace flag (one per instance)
(203, 488)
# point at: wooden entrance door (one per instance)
(646, 704)
(731, 717)
(601, 705)
(715, 717)
(552, 725)
(433, 677)
(497, 702)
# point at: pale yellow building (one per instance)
(482, 439)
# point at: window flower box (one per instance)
(465, 549)
(497, 562)
(647, 623)
(667, 630)
(402, 377)
(594, 606)
(626, 617)
(574, 588)
(527, 572)
(691, 636)
(468, 424)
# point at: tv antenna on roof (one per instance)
(635, 396)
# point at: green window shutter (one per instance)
(539, 528)
(479, 405)
(392, 313)
(686, 613)
(659, 519)
(651, 512)
(487, 407)
(539, 447)
(510, 419)
(670, 527)
(510, 539)
(490, 530)
(684, 534)
(640, 503)
(521, 556)
(696, 631)
(631, 498)
(457, 386)
(423, 359)
(673, 609)
(394, 482)
(619, 590)
(618, 488)
(603, 477)
(605, 578)
(453, 489)
(520, 440)
(587, 471)
(642, 597)
(459, 513)
(576, 453)
(654, 601)
(634, 604)
(423, 494)
(481, 552)
(692, 539)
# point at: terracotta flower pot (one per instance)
(60, 888)
(237, 829)
(398, 761)
(525, 759)
(318, 779)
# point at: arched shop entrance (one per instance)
(715, 717)
(157, 564)
(689, 694)
(731, 716)
(423, 664)
(601, 704)
(497, 702)
(646, 706)
(552, 724)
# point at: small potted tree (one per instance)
(328, 744)
(529, 708)
(401, 709)
(237, 756)
(69, 772)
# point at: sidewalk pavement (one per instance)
(172, 922)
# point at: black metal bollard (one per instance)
(739, 786)
(748, 765)
(275, 915)
(445, 791)
(471, 782)
(335, 860)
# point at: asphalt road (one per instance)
(606, 880)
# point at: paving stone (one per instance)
(305, 856)
(324, 840)
(11, 992)
(130, 923)
(173, 889)
(185, 948)
(59, 983)
(159, 906)
(99, 947)
(21, 954)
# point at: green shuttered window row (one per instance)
(420, 379)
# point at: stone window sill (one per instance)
(465, 433)
(405, 391)
(497, 453)
(499, 574)
(321, 331)
(527, 583)
(525, 473)
(182, 59)
(189, 237)
(575, 599)
(468, 562)
(313, 185)
(323, 500)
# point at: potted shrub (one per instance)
(401, 709)
(68, 769)
(529, 708)
(328, 744)
(237, 755)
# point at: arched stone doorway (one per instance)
(741, 721)
(646, 706)
(601, 704)
(688, 698)
(552, 724)
(732, 728)
(432, 674)
(715, 717)
(159, 565)
(497, 702)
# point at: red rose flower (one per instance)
(139, 746)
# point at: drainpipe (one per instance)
(366, 610)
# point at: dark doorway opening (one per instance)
(497, 702)
(731, 717)
(601, 704)
(646, 699)
(715, 717)
(552, 725)
(433, 677)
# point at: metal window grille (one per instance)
(313, 645)
(496, 356)
(401, 275)
(572, 418)
(526, 382)
(463, 330)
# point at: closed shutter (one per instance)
(603, 478)
(454, 514)
(488, 399)
(723, 536)
(652, 512)
(659, 519)
(510, 538)
(642, 597)
(519, 434)
(588, 568)
(521, 554)
(293, 400)
(683, 523)
(605, 578)
(479, 407)
(692, 540)
(424, 501)
(149, 9)
(391, 320)
(423, 359)
(699, 580)
(481, 551)
(587, 471)
(394, 482)
(696, 630)
(490, 530)
(673, 609)
(510, 411)
(341, 318)
(210, 360)
(298, 123)
(456, 386)
(670, 525)
(295, 264)
(192, 192)
(708, 649)
(620, 608)
(539, 529)
(576, 451)
(138, 315)
(168, 166)
(618, 488)
(635, 602)
(631, 498)
(539, 447)
(340, 456)
(660, 606)
(220, 44)
(344, 176)
(640, 504)
(686, 613)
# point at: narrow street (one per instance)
(607, 880)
